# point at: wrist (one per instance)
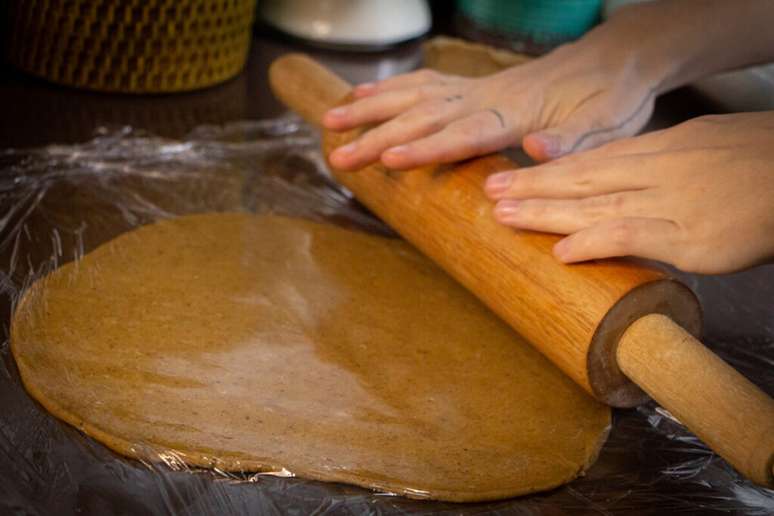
(633, 43)
(673, 43)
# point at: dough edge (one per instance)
(194, 459)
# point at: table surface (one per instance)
(739, 308)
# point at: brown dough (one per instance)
(459, 57)
(252, 343)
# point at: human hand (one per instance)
(580, 96)
(699, 195)
(577, 97)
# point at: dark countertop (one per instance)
(36, 112)
(739, 308)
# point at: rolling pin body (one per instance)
(575, 315)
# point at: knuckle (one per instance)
(687, 261)
(582, 180)
(692, 249)
(621, 234)
(709, 119)
(365, 108)
(469, 132)
(423, 74)
(468, 148)
(426, 91)
(428, 75)
(472, 129)
(701, 123)
(425, 116)
(523, 182)
(356, 108)
(532, 209)
(373, 140)
(590, 204)
(430, 124)
(616, 202)
(468, 136)
(604, 204)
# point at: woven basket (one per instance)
(131, 46)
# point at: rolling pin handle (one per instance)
(723, 408)
(306, 86)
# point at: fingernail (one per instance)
(498, 183)
(400, 149)
(551, 145)
(561, 248)
(337, 112)
(366, 87)
(504, 209)
(346, 149)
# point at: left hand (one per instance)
(699, 195)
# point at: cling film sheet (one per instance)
(59, 202)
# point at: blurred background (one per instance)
(166, 66)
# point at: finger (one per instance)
(573, 178)
(418, 122)
(570, 215)
(406, 80)
(587, 129)
(480, 133)
(381, 107)
(632, 236)
(371, 109)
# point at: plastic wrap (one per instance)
(59, 202)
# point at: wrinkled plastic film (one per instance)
(59, 202)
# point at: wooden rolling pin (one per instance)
(615, 327)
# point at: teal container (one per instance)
(532, 26)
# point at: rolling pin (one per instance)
(621, 330)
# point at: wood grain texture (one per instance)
(730, 414)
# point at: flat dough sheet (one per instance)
(256, 343)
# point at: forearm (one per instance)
(675, 42)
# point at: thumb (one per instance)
(584, 130)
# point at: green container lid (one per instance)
(543, 23)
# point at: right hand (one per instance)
(577, 97)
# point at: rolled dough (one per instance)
(461, 57)
(256, 343)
